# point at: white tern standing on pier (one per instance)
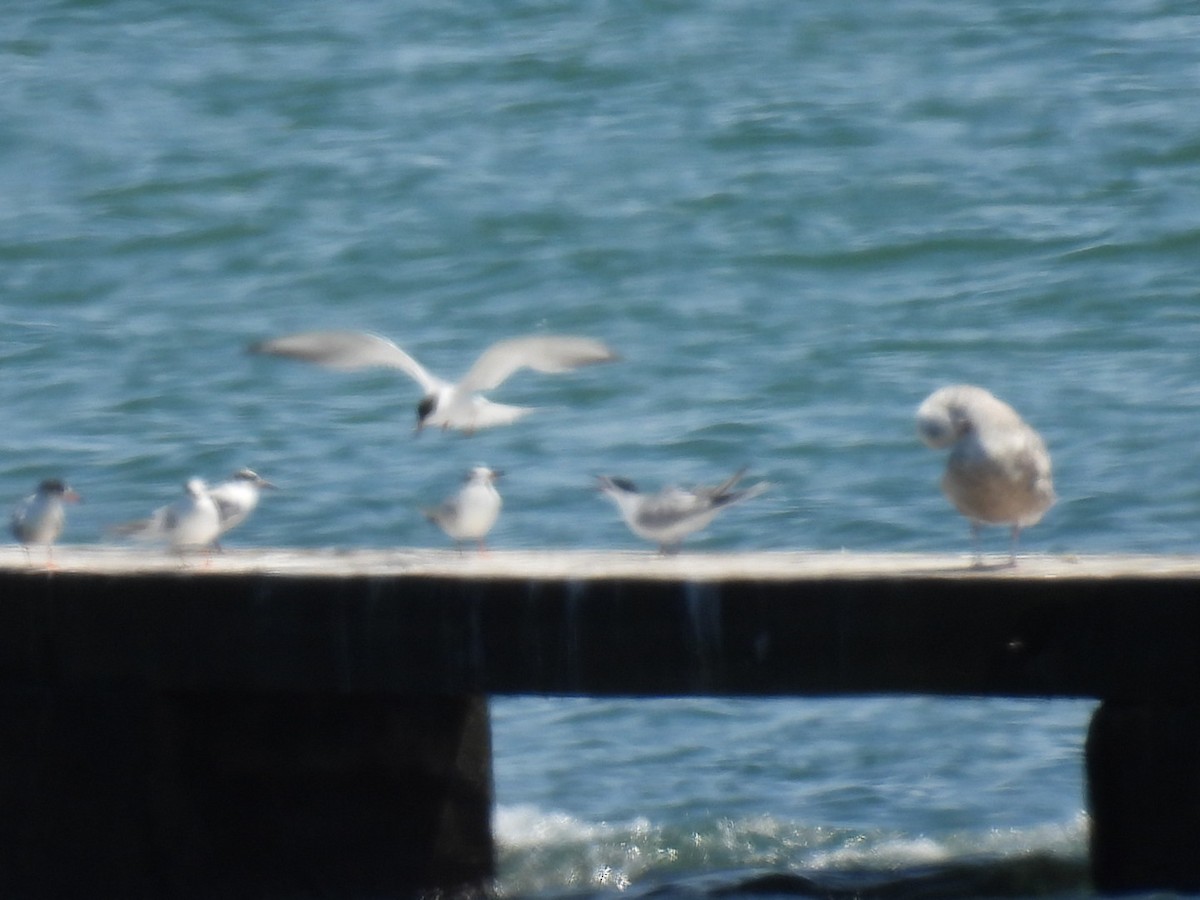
(671, 514)
(446, 404)
(470, 514)
(998, 472)
(41, 517)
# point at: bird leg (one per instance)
(1012, 547)
(976, 545)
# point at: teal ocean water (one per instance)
(793, 221)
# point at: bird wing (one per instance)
(230, 507)
(670, 506)
(346, 351)
(542, 353)
(486, 414)
(1027, 457)
(21, 512)
(153, 526)
(731, 497)
(724, 487)
(673, 505)
(447, 510)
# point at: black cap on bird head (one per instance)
(425, 409)
(56, 487)
(603, 482)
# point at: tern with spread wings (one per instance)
(445, 404)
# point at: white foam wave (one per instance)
(555, 850)
(524, 826)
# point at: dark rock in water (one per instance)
(1025, 877)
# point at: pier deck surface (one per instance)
(599, 564)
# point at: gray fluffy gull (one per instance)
(998, 472)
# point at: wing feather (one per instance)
(229, 510)
(542, 353)
(347, 351)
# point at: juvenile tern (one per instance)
(238, 497)
(193, 522)
(998, 471)
(446, 404)
(40, 517)
(671, 514)
(470, 514)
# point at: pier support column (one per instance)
(118, 793)
(1143, 772)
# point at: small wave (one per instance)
(554, 853)
(901, 851)
(526, 826)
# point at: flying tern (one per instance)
(445, 404)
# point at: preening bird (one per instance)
(193, 522)
(41, 517)
(238, 497)
(470, 514)
(998, 471)
(673, 513)
(443, 403)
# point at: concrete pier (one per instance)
(294, 723)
